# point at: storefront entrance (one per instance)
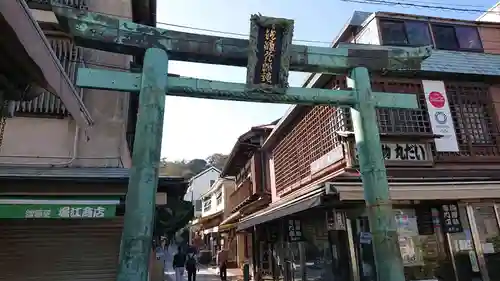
(432, 248)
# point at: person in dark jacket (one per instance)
(178, 264)
(192, 264)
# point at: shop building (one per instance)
(205, 229)
(442, 159)
(66, 223)
(252, 192)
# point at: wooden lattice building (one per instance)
(442, 162)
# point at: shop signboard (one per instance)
(336, 220)
(450, 218)
(294, 230)
(396, 152)
(425, 220)
(271, 233)
(57, 209)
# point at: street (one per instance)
(205, 273)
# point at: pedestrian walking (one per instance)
(178, 264)
(222, 257)
(192, 264)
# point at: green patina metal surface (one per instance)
(122, 36)
(118, 35)
(139, 215)
(374, 176)
(200, 88)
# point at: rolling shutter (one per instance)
(59, 250)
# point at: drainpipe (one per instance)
(263, 167)
(75, 149)
(65, 163)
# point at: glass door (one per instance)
(466, 264)
(489, 238)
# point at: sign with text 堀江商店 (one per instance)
(269, 55)
(57, 209)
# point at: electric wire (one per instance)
(427, 5)
(245, 35)
(407, 3)
(375, 2)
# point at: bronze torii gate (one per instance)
(268, 56)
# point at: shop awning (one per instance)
(63, 208)
(227, 227)
(229, 222)
(232, 218)
(210, 217)
(285, 208)
(424, 190)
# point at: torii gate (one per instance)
(268, 56)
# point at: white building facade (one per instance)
(199, 185)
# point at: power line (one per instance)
(441, 3)
(408, 3)
(377, 2)
(245, 35)
(454, 8)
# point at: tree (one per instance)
(172, 168)
(196, 166)
(189, 168)
(217, 160)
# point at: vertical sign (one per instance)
(269, 55)
(294, 230)
(450, 218)
(336, 220)
(272, 233)
(425, 223)
(440, 116)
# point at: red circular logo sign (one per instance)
(437, 99)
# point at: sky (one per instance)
(197, 128)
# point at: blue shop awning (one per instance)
(284, 208)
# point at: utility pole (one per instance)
(271, 57)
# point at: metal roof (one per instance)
(54, 173)
(449, 61)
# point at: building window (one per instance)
(474, 121)
(219, 197)
(470, 106)
(405, 33)
(458, 38)
(197, 205)
(207, 204)
(397, 121)
(212, 182)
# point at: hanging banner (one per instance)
(440, 116)
(450, 218)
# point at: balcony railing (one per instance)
(242, 193)
(45, 4)
(47, 104)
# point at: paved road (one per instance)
(205, 273)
